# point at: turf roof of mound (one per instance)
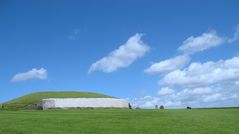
(35, 98)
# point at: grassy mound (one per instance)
(35, 98)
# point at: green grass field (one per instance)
(120, 121)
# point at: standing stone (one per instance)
(156, 106)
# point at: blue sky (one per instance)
(150, 52)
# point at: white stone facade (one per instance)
(67, 103)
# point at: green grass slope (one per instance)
(35, 98)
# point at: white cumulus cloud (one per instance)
(144, 102)
(122, 57)
(200, 74)
(208, 84)
(209, 96)
(225, 95)
(235, 36)
(168, 65)
(205, 41)
(200, 84)
(165, 91)
(204, 97)
(32, 74)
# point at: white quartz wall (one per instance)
(84, 103)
